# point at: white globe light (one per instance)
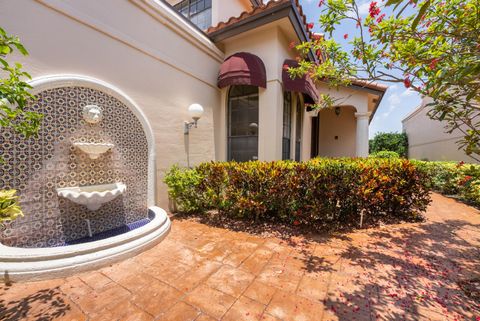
(195, 111)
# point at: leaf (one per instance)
(21, 48)
(4, 63)
(392, 2)
(421, 12)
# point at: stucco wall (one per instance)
(427, 138)
(150, 60)
(223, 10)
(343, 127)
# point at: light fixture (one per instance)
(195, 111)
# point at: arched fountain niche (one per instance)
(86, 182)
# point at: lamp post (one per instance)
(195, 111)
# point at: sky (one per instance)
(398, 100)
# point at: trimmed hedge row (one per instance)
(320, 192)
(452, 178)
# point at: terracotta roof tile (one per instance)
(259, 9)
(370, 85)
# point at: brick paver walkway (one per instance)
(407, 271)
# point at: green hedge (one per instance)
(395, 142)
(384, 154)
(452, 178)
(320, 192)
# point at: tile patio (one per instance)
(400, 272)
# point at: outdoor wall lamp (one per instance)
(337, 111)
(195, 111)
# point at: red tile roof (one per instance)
(258, 10)
(370, 85)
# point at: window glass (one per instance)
(298, 131)
(198, 11)
(287, 125)
(243, 123)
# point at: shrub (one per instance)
(394, 142)
(384, 154)
(452, 178)
(320, 192)
(9, 209)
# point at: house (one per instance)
(159, 57)
(429, 140)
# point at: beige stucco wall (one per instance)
(92, 38)
(427, 138)
(344, 126)
(223, 10)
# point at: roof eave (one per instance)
(379, 92)
(376, 106)
(286, 9)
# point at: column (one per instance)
(362, 134)
(270, 122)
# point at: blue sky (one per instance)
(397, 102)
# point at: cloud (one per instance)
(394, 101)
(408, 93)
(393, 87)
(363, 8)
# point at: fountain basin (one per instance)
(34, 264)
(94, 150)
(93, 197)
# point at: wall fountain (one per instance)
(86, 184)
(94, 196)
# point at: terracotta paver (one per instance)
(205, 273)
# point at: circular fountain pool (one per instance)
(28, 264)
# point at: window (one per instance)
(242, 120)
(197, 11)
(298, 130)
(287, 125)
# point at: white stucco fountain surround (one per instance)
(22, 264)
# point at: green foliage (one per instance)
(394, 142)
(14, 95)
(181, 187)
(452, 178)
(434, 51)
(384, 154)
(14, 91)
(9, 209)
(321, 192)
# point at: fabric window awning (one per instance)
(242, 68)
(303, 85)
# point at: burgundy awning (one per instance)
(303, 85)
(242, 68)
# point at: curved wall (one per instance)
(39, 165)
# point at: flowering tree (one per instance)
(430, 46)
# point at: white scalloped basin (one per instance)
(93, 197)
(94, 150)
(29, 264)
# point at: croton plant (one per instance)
(9, 208)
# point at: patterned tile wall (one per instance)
(38, 165)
